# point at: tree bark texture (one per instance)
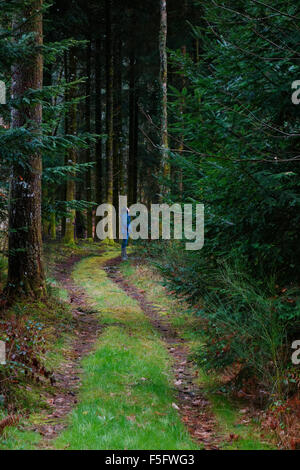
(164, 87)
(25, 268)
(71, 156)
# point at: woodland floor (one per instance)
(127, 379)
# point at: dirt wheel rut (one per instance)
(67, 378)
(193, 407)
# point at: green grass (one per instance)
(227, 413)
(56, 290)
(126, 396)
(229, 419)
(18, 438)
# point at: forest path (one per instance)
(186, 399)
(123, 375)
(134, 385)
(127, 396)
(192, 406)
(67, 377)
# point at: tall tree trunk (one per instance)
(45, 220)
(135, 149)
(98, 122)
(52, 226)
(72, 129)
(118, 153)
(109, 103)
(46, 189)
(80, 218)
(133, 128)
(181, 145)
(88, 182)
(164, 87)
(115, 124)
(66, 129)
(109, 106)
(121, 156)
(25, 268)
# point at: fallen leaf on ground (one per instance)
(131, 418)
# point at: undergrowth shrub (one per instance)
(247, 324)
(25, 345)
(29, 331)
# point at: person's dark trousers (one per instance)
(124, 249)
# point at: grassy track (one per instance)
(230, 420)
(126, 397)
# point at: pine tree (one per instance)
(133, 119)
(25, 267)
(164, 87)
(109, 105)
(98, 121)
(88, 180)
(71, 154)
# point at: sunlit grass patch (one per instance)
(115, 306)
(126, 399)
(175, 310)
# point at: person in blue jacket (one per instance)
(125, 227)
